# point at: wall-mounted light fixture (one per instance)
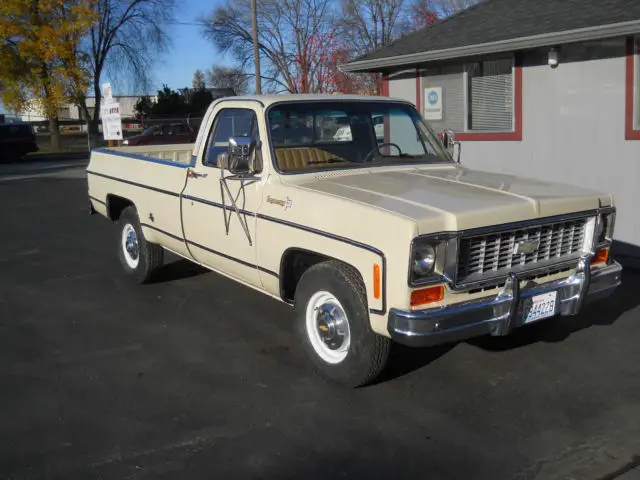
(553, 58)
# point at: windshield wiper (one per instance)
(424, 158)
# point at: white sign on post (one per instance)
(107, 94)
(433, 103)
(111, 121)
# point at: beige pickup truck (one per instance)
(352, 210)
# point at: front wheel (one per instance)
(139, 258)
(332, 323)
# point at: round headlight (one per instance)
(424, 260)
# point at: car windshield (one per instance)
(330, 135)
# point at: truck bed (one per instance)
(151, 177)
(179, 153)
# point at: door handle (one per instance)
(193, 174)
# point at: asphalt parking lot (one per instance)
(198, 377)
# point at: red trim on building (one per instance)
(418, 89)
(385, 93)
(385, 85)
(516, 135)
(630, 133)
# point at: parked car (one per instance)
(369, 242)
(16, 140)
(174, 133)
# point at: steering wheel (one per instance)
(378, 147)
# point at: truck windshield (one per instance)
(336, 135)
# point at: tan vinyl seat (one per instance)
(299, 158)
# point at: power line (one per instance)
(194, 24)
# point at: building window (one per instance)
(489, 87)
(479, 100)
(632, 89)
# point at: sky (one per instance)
(190, 49)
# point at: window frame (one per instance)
(385, 91)
(632, 89)
(254, 126)
(515, 134)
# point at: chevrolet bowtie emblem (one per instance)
(526, 247)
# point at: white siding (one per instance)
(127, 104)
(33, 112)
(403, 85)
(573, 132)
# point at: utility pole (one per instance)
(256, 55)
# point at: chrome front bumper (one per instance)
(500, 314)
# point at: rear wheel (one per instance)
(140, 259)
(332, 323)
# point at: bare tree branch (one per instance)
(222, 77)
(125, 40)
(288, 41)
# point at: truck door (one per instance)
(218, 235)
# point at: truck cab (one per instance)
(352, 210)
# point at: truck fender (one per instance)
(116, 205)
(293, 263)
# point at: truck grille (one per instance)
(493, 255)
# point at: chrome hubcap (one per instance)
(331, 325)
(328, 327)
(130, 246)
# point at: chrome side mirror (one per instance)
(448, 138)
(240, 155)
(449, 142)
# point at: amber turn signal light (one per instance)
(601, 256)
(427, 295)
(376, 281)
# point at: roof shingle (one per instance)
(500, 20)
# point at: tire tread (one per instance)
(151, 254)
(378, 346)
(382, 344)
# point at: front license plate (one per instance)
(540, 306)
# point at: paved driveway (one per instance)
(197, 377)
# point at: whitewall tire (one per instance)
(333, 326)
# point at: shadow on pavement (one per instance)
(404, 360)
(627, 254)
(603, 312)
(178, 270)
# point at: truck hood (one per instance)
(456, 198)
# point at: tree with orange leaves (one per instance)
(40, 56)
(316, 67)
